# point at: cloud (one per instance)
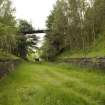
(35, 11)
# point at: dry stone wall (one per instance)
(98, 62)
(7, 66)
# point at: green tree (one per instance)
(74, 25)
(24, 41)
(56, 23)
(7, 26)
(24, 27)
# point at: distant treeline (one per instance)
(73, 24)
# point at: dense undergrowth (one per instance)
(7, 56)
(96, 50)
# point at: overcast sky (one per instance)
(35, 11)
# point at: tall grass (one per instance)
(52, 84)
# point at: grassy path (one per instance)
(51, 84)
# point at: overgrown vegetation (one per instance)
(25, 43)
(51, 84)
(4, 56)
(74, 25)
(13, 38)
(75, 28)
(7, 26)
(96, 50)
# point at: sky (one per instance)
(35, 11)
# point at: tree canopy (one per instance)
(74, 24)
(7, 26)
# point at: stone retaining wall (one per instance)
(88, 62)
(7, 65)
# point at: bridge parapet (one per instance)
(36, 32)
